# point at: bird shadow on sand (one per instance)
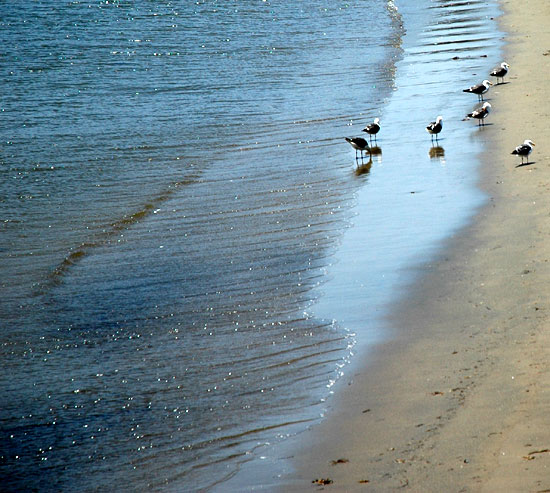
(528, 163)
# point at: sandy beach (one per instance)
(459, 400)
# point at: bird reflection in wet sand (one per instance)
(376, 153)
(363, 167)
(436, 152)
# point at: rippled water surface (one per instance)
(172, 182)
(175, 200)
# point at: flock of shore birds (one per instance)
(434, 128)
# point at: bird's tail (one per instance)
(514, 152)
(466, 90)
(347, 139)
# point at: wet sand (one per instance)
(459, 400)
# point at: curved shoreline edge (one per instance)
(458, 402)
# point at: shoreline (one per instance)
(457, 402)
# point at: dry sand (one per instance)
(461, 400)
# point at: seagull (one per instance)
(479, 89)
(480, 113)
(359, 144)
(373, 128)
(524, 150)
(500, 71)
(435, 127)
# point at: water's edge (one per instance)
(345, 292)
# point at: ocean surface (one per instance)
(190, 255)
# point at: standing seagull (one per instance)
(359, 144)
(479, 89)
(480, 113)
(524, 150)
(500, 71)
(435, 127)
(373, 128)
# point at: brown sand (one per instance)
(462, 403)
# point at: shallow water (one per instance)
(180, 279)
(419, 193)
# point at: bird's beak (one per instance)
(532, 143)
(490, 83)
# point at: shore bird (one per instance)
(500, 71)
(479, 89)
(373, 128)
(359, 144)
(480, 113)
(435, 127)
(524, 150)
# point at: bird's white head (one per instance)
(377, 121)
(486, 105)
(439, 119)
(505, 65)
(487, 83)
(529, 142)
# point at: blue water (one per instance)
(176, 198)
